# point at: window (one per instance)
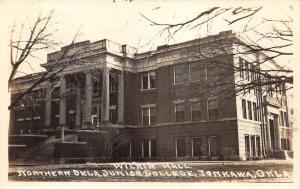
(40, 94)
(249, 110)
(113, 114)
(180, 147)
(197, 71)
(247, 71)
(251, 72)
(148, 148)
(286, 119)
(196, 111)
(152, 116)
(258, 145)
(281, 120)
(96, 88)
(244, 109)
(95, 120)
(196, 147)
(285, 144)
(149, 115)
(212, 146)
(113, 83)
(56, 93)
(253, 147)
(241, 67)
(247, 145)
(212, 108)
(255, 111)
(148, 80)
(178, 73)
(179, 112)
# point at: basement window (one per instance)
(180, 147)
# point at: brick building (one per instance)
(160, 100)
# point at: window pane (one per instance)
(244, 109)
(180, 144)
(247, 145)
(113, 83)
(152, 79)
(213, 112)
(153, 148)
(113, 115)
(247, 70)
(249, 110)
(179, 73)
(197, 70)
(253, 149)
(254, 111)
(145, 112)
(281, 118)
(196, 111)
(197, 147)
(241, 67)
(145, 148)
(258, 145)
(286, 119)
(179, 112)
(213, 146)
(145, 81)
(212, 104)
(152, 116)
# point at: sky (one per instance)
(121, 21)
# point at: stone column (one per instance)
(88, 100)
(62, 106)
(121, 98)
(78, 109)
(48, 105)
(105, 96)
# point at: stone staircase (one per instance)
(38, 153)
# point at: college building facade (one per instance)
(161, 103)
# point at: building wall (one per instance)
(230, 127)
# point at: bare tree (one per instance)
(23, 47)
(271, 44)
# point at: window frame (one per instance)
(192, 146)
(249, 109)
(200, 76)
(148, 87)
(175, 111)
(174, 73)
(150, 147)
(191, 109)
(254, 106)
(244, 109)
(176, 147)
(148, 108)
(207, 104)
